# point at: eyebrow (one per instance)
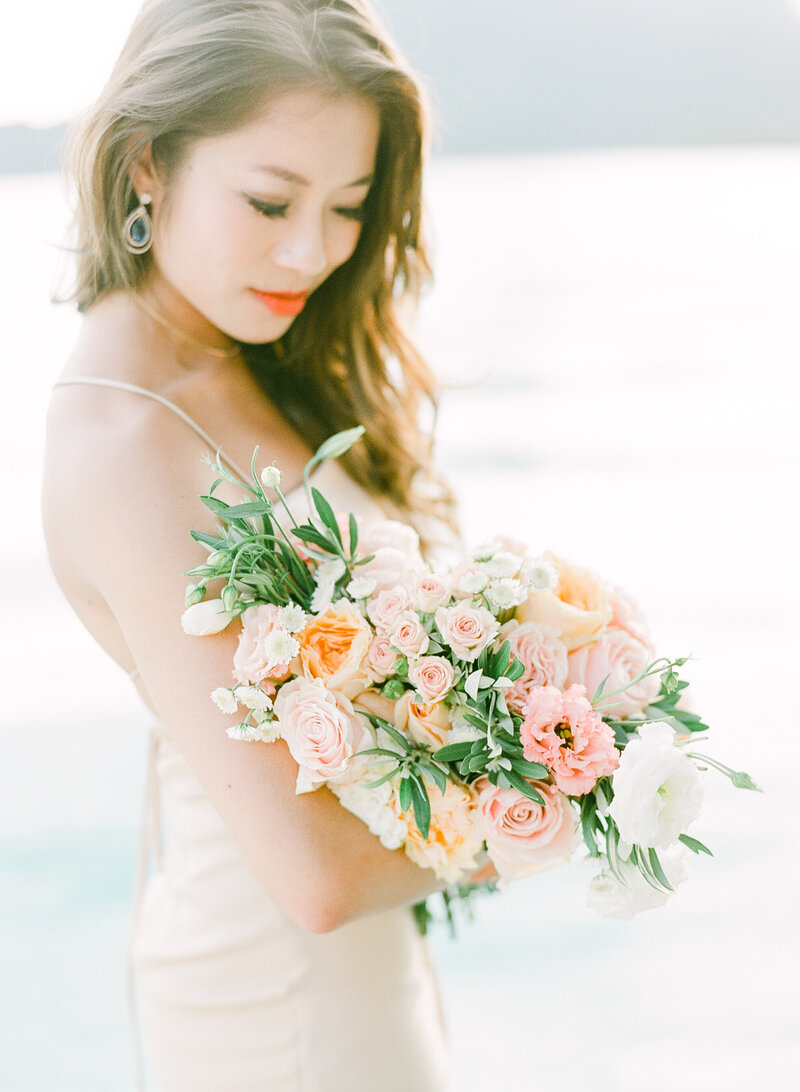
(298, 180)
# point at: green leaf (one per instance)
(502, 659)
(218, 507)
(521, 785)
(251, 508)
(437, 776)
(534, 770)
(421, 804)
(405, 793)
(380, 781)
(601, 687)
(658, 871)
(353, 534)
(326, 514)
(477, 762)
(695, 845)
(453, 752)
(395, 733)
(475, 721)
(642, 860)
(209, 540)
(310, 534)
(338, 444)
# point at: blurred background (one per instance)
(614, 207)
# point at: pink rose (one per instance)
(523, 837)
(433, 677)
(564, 732)
(381, 657)
(431, 591)
(409, 635)
(466, 630)
(621, 657)
(543, 655)
(251, 662)
(385, 606)
(321, 729)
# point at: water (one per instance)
(621, 333)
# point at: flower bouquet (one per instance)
(505, 704)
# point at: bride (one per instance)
(248, 214)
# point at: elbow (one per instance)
(327, 909)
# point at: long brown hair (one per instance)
(200, 68)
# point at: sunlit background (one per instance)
(614, 204)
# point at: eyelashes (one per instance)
(274, 211)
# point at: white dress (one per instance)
(233, 996)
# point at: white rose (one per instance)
(612, 899)
(203, 619)
(657, 789)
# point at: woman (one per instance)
(249, 224)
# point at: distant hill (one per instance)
(536, 75)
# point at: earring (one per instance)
(138, 229)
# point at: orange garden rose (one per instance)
(424, 723)
(333, 648)
(577, 607)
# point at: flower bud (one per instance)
(270, 477)
(393, 689)
(229, 597)
(203, 619)
(218, 558)
(195, 593)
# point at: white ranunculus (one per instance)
(203, 619)
(612, 899)
(270, 477)
(657, 789)
(224, 699)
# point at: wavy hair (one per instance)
(199, 68)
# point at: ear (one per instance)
(144, 176)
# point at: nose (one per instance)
(302, 248)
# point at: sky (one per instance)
(55, 56)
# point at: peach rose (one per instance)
(453, 844)
(543, 655)
(425, 723)
(621, 657)
(409, 635)
(251, 660)
(432, 677)
(577, 607)
(333, 648)
(385, 606)
(381, 657)
(564, 732)
(627, 615)
(321, 729)
(466, 630)
(431, 590)
(523, 837)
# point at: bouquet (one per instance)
(505, 704)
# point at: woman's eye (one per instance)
(268, 208)
(356, 213)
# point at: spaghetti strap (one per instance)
(119, 384)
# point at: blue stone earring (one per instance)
(138, 230)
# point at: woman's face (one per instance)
(254, 220)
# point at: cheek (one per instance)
(342, 241)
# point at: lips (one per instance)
(282, 303)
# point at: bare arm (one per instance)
(131, 519)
